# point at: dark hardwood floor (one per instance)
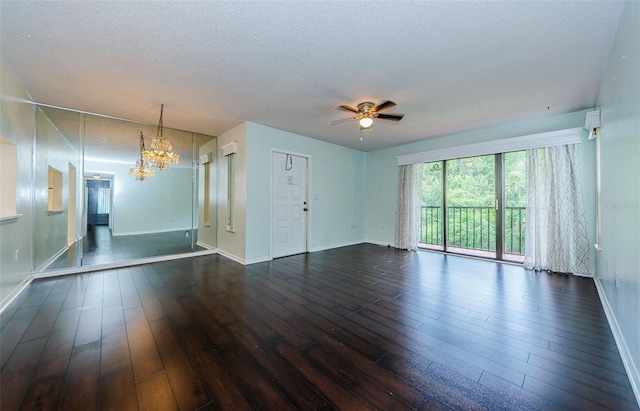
(351, 328)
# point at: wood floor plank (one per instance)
(217, 335)
(128, 290)
(48, 313)
(189, 391)
(145, 358)
(118, 391)
(111, 289)
(259, 389)
(44, 395)
(114, 354)
(90, 323)
(150, 302)
(57, 352)
(13, 332)
(295, 388)
(41, 290)
(175, 309)
(365, 342)
(154, 394)
(225, 392)
(18, 372)
(81, 386)
(355, 380)
(515, 397)
(75, 296)
(339, 396)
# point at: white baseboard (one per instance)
(120, 264)
(119, 233)
(50, 261)
(205, 246)
(257, 260)
(329, 247)
(232, 256)
(382, 243)
(623, 348)
(16, 291)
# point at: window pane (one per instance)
(103, 200)
(471, 214)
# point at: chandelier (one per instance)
(161, 154)
(142, 170)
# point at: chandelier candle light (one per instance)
(142, 170)
(161, 154)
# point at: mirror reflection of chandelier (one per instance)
(141, 170)
(161, 154)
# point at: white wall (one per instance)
(382, 169)
(232, 244)
(17, 125)
(207, 235)
(618, 264)
(161, 203)
(336, 191)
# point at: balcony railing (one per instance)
(473, 228)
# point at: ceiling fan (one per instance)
(367, 111)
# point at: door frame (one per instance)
(307, 220)
(499, 168)
(72, 215)
(105, 175)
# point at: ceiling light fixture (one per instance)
(142, 170)
(161, 154)
(366, 122)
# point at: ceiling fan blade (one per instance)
(384, 106)
(344, 120)
(348, 108)
(390, 117)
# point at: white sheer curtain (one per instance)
(556, 230)
(409, 202)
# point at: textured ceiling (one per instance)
(450, 66)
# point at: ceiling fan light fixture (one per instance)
(366, 122)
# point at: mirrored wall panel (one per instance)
(99, 200)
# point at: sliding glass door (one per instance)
(475, 206)
(470, 196)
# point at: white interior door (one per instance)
(289, 204)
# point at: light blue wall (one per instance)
(336, 192)
(160, 203)
(619, 261)
(17, 125)
(382, 169)
(52, 150)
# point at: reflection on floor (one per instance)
(100, 247)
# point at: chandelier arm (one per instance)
(159, 133)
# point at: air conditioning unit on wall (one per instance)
(592, 122)
(204, 159)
